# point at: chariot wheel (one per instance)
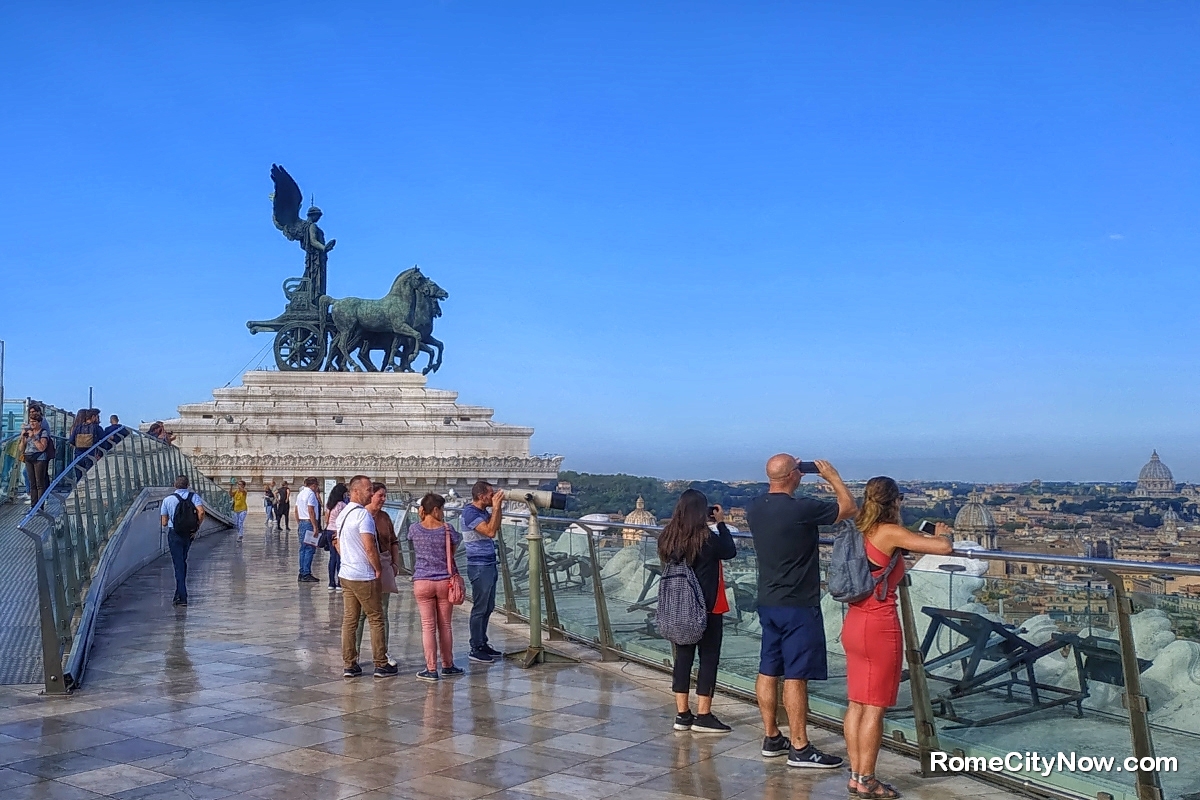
(300, 347)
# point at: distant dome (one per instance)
(1170, 516)
(975, 522)
(640, 516)
(1155, 479)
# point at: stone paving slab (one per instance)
(240, 695)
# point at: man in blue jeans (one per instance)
(480, 525)
(308, 517)
(179, 540)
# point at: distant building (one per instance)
(639, 516)
(1169, 533)
(564, 487)
(975, 523)
(1155, 479)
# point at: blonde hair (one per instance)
(881, 504)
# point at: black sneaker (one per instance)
(684, 721)
(812, 758)
(352, 672)
(429, 675)
(708, 723)
(387, 671)
(491, 651)
(775, 746)
(481, 657)
(451, 671)
(309, 578)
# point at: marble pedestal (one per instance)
(333, 425)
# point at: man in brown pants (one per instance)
(362, 591)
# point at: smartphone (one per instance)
(807, 467)
(712, 510)
(927, 527)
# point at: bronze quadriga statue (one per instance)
(316, 331)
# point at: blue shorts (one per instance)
(793, 643)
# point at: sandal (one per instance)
(870, 786)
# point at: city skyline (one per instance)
(939, 242)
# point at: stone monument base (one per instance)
(286, 426)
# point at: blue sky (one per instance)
(939, 240)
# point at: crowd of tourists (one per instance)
(37, 448)
(364, 563)
(784, 528)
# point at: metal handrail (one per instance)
(1148, 785)
(71, 525)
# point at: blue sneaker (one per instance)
(430, 675)
(480, 657)
(451, 671)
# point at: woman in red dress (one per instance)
(871, 633)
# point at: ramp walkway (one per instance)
(240, 695)
(20, 636)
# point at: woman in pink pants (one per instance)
(431, 585)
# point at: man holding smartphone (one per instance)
(784, 528)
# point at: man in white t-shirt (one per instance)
(362, 590)
(308, 517)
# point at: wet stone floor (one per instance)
(240, 695)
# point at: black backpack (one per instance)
(186, 521)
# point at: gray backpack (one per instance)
(850, 578)
(681, 616)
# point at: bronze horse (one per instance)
(405, 313)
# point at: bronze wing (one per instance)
(286, 200)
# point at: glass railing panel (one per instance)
(1166, 629)
(515, 550)
(1065, 624)
(569, 569)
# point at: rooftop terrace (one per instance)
(239, 695)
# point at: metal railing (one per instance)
(595, 583)
(73, 521)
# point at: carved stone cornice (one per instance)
(429, 465)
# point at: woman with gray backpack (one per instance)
(871, 633)
(691, 555)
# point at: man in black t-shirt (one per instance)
(784, 528)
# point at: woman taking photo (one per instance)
(687, 539)
(334, 503)
(871, 632)
(431, 585)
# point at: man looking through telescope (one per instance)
(480, 524)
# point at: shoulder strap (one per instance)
(882, 580)
(342, 518)
(451, 567)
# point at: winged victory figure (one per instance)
(286, 201)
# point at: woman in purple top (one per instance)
(431, 585)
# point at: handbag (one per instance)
(458, 590)
(388, 576)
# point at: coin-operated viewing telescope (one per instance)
(533, 500)
(537, 499)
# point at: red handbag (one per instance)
(458, 590)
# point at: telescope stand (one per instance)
(536, 653)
